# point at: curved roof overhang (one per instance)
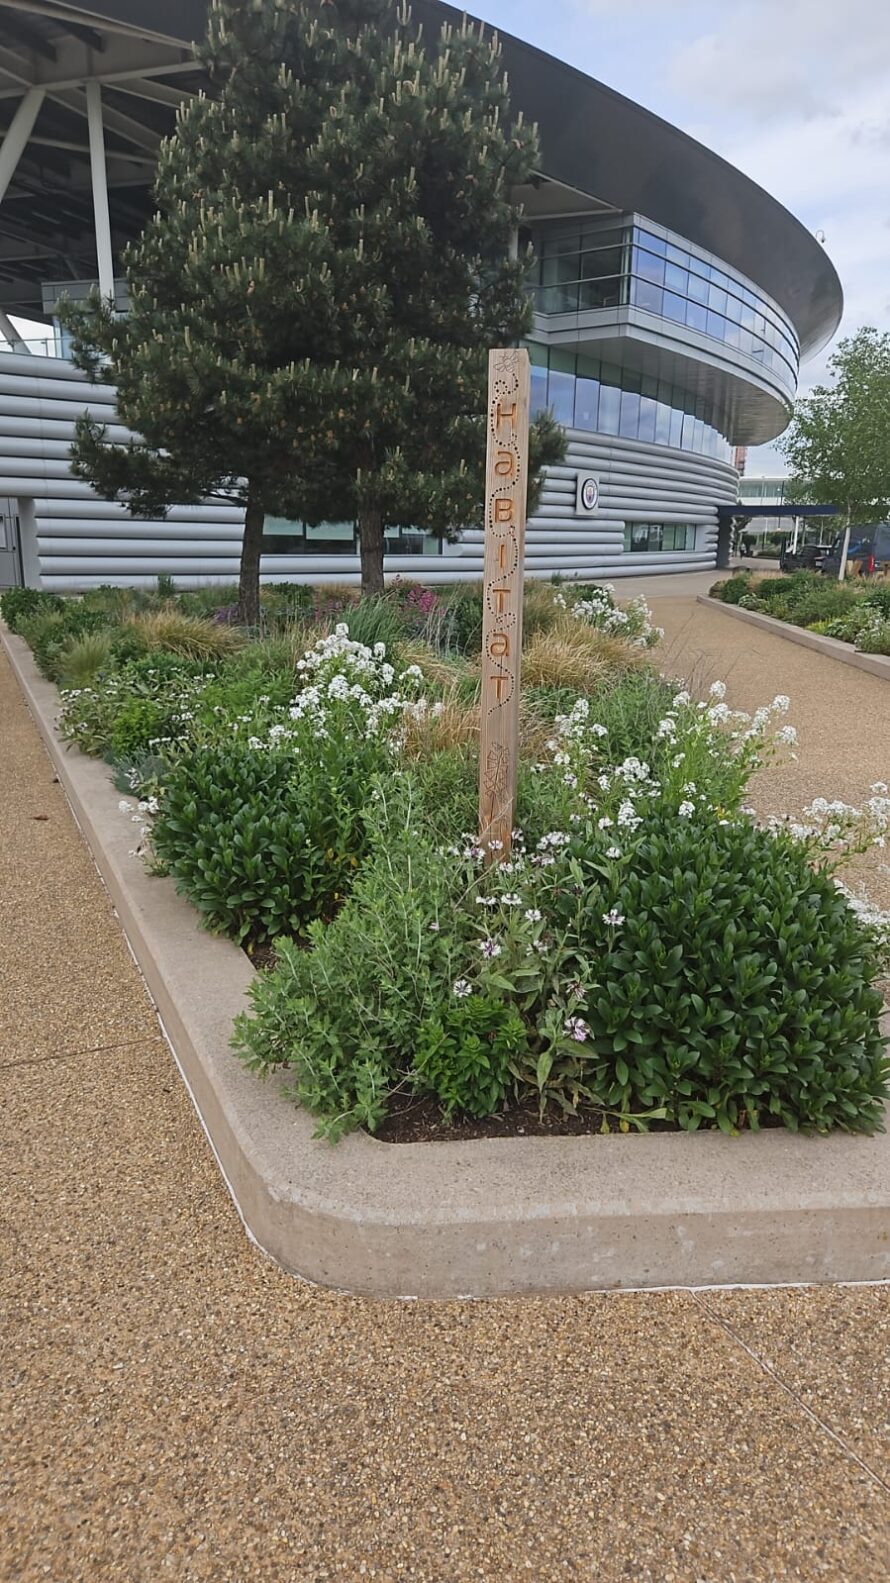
(598, 148)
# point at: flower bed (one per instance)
(648, 956)
(856, 612)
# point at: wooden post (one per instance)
(506, 490)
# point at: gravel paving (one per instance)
(173, 1405)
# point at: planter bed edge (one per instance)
(481, 1218)
(832, 648)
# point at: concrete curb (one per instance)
(484, 1218)
(833, 648)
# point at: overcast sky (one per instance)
(796, 93)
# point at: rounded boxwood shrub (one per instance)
(736, 989)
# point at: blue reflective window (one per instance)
(676, 279)
(717, 299)
(646, 429)
(674, 307)
(696, 316)
(655, 244)
(716, 325)
(587, 404)
(676, 428)
(561, 396)
(538, 393)
(648, 266)
(677, 255)
(610, 409)
(646, 295)
(662, 423)
(629, 421)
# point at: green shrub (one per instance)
(264, 832)
(874, 638)
(166, 683)
(732, 588)
(50, 631)
(465, 1051)
(18, 604)
(734, 991)
(344, 1017)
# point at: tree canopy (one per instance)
(838, 442)
(330, 261)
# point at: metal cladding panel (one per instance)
(81, 541)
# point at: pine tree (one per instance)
(312, 304)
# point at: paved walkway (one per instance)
(173, 1406)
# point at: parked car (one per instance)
(868, 555)
(806, 558)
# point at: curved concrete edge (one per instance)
(485, 1218)
(833, 648)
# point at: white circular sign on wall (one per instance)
(587, 494)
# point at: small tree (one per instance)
(312, 304)
(838, 443)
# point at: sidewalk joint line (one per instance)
(767, 1369)
(92, 1049)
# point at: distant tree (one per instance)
(838, 442)
(312, 305)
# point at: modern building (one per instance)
(674, 300)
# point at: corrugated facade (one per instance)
(70, 539)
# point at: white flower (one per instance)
(613, 851)
(786, 734)
(686, 810)
(512, 899)
(613, 918)
(462, 989)
(532, 915)
(124, 806)
(628, 816)
(718, 690)
(576, 1028)
(486, 901)
(780, 704)
(489, 949)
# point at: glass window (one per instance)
(716, 325)
(676, 279)
(601, 261)
(609, 409)
(698, 288)
(587, 403)
(655, 244)
(662, 423)
(648, 266)
(538, 393)
(717, 299)
(676, 428)
(600, 293)
(647, 419)
(629, 421)
(697, 317)
(561, 387)
(636, 537)
(647, 296)
(674, 307)
(677, 255)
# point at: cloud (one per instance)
(780, 61)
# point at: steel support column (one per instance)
(20, 129)
(101, 217)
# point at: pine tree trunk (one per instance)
(370, 538)
(251, 548)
